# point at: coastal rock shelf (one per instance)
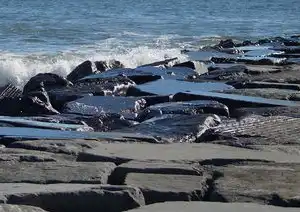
(218, 132)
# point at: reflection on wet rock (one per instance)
(186, 108)
(175, 127)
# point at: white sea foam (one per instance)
(19, 68)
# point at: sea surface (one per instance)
(55, 36)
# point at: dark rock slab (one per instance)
(175, 127)
(25, 133)
(97, 105)
(73, 197)
(29, 122)
(49, 81)
(287, 86)
(168, 87)
(268, 93)
(24, 155)
(187, 108)
(145, 74)
(55, 172)
(106, 65)
(232, 100)
(272, 130)
(100, 87)
(164, 187)
(19, 208)
(211, 207)
(107, 122)
(263, 183)
(82, 70)
(205, 153)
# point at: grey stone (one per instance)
(70, 147)
(54, 172)
(19, 208)
(164, 187)
(73, 197)
(264, 183)
(154, 167)
(211, 207)
(16, 154)
(205, 153)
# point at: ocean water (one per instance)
(55, 36)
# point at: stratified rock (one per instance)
(187, 108)
(164, 187)
(255, 84)
(272, 130)
(73, 197)
(19, 208)
(49, 81)
(82, 70)
(10, 91)
(211, 207)
(258, 182)
(55, 172)
(269, 93)
(176, 127)
(24, 155)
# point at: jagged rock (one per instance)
(187, 108)
(26, 106)
(176, 127)
(49, 81)
(226, 44)
(73, 197)
(255, 84)
(55, 172)
(211, 207)
(82, 70)
(19, 208)
(105, 65)
(258, 182)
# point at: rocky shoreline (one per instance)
(219, 132)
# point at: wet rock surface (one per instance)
(222, 125)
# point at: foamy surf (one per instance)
(17, 69)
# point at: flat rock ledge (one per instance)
(210, 207)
